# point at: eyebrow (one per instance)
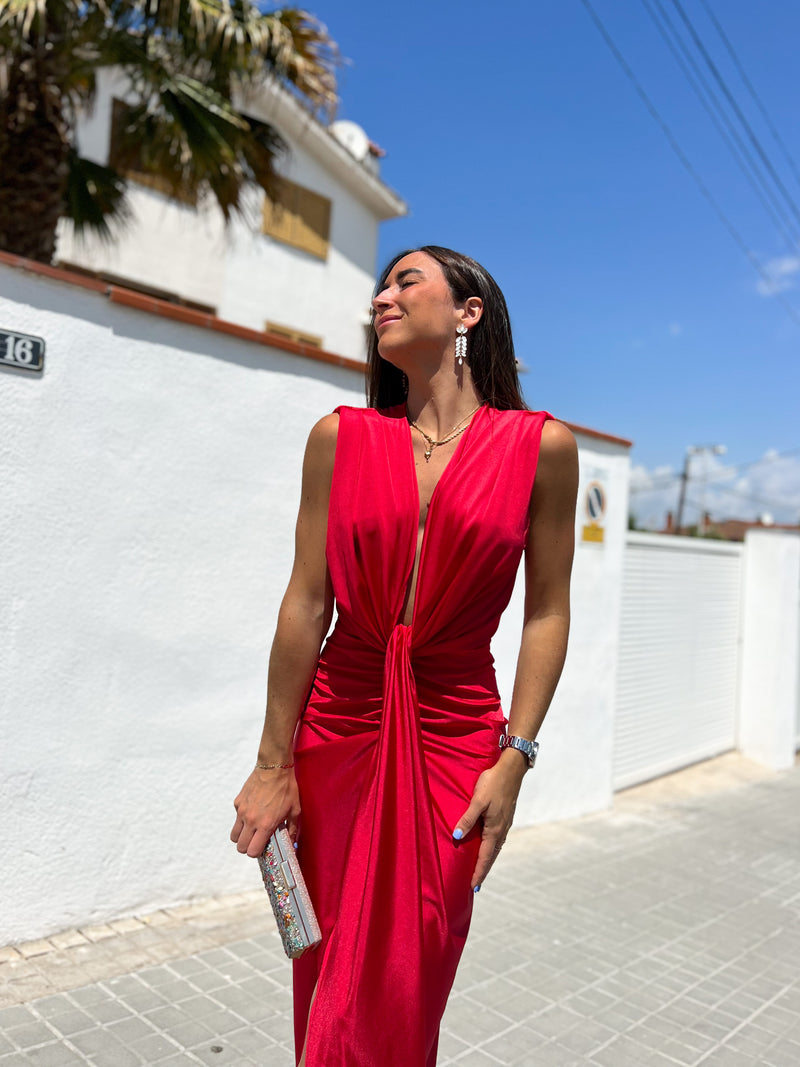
(408, 270)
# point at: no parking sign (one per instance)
(594, 503)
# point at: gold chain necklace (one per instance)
(457, 429)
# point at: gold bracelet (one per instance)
(273, 766)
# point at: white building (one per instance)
(303, 271)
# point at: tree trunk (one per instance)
(34, 147)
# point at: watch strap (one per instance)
(529, 749)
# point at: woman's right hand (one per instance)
(266, 800)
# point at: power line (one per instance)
(676, 148)
(749, 86)
(738, 149)
(737, 110)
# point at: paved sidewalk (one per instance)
(665, 932)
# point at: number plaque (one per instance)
(21, 350)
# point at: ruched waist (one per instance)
(452, 683)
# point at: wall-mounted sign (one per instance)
(21, 350)
(595, 506)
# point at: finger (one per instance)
(468, 820)
(491, 846)
(292, 820)
(486, 856)
(258, 842)
(244, 839)
(237, 829)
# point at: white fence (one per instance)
(678, 655)
(708, 653)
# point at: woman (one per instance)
(414, 515)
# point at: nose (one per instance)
(381, 301)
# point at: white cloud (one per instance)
(781, 271)
(769, 487)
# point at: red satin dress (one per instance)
(400, 722)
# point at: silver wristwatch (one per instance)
(529, 749)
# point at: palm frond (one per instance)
(297, 47)
(191, 138)
(95, 196)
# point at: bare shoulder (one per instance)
(321, 447)
(556, 485)
(324, 433)
(558, 444)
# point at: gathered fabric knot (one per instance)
(398, 675)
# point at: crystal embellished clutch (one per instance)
(283, 881)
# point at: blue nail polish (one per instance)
(295, 844)
(458, 833)
(477, 889)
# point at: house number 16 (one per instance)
(21, 350)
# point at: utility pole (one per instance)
(692, 450)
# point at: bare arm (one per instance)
(548, 565)
(269, 797)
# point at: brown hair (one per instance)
(491, 346)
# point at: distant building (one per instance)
(727, 529)
(302, 270)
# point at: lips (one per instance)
(386, 319)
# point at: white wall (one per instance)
(149, 490)
(244, 275)
(150, 480)
(573, 769)
(770, 666)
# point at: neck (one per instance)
(439, 403)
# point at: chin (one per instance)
(392, 355)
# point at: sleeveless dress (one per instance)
(400, 722)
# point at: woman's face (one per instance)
(415, 308)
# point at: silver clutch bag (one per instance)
(283, 881)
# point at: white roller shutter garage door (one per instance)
(679, 647)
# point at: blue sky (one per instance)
(514, 135)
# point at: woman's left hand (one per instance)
(493, 801)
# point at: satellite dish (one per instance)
(352, 137)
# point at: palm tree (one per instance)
(186, 63)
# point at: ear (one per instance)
(472, 311)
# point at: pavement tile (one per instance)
(55, 1055)
(57, 1004)
(623, 1051)
(29, 1035)
(34, 948)
(190, 1033)
(72, 1021)
(129, 1030)
(16, 1015)
(118, 1057)
(108, 1011)
(154, 1047)
(96, 1043)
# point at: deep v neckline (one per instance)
(419, 542)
